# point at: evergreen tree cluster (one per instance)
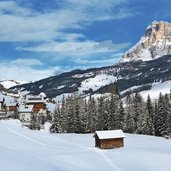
(131, 114)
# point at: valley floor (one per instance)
(24, 150)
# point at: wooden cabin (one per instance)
(109, 139)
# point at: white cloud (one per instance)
(95, 10)
(20, 23)
(21, 69)
(26, 62)
(47, 31)
(13, 8)
(103, 62)
(74, 48)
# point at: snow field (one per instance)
(11, 83)
(96, 82)
(23, 149)
(154, 92)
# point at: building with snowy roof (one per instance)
(12, 108)
(109, 139)
(25, 113)
(39, 102)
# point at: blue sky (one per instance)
(40, 38)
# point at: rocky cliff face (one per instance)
(155, 43)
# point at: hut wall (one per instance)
(111, 143)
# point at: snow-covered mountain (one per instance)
(27, 150)
(11, 83)
(156, 42)
(136, 76)
(144, 67)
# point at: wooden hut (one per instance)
(109, 139)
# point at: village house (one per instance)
(25, 113)
(33, 111)
(12, 108)
(109, 139)
(39, 102)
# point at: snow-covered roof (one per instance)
(2, 98)
(42, 94)
(35, 99)
(25, 108)
(110, 134)
(11, 103)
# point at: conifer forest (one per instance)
(132, 114)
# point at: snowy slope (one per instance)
(11, 83)
(96, 82)
(102, 80)
(26, 150)
(143, 54)
(156, 89)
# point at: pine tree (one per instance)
(150, 116)
(77, 120)
(89, 115)
(140, 114)
(56, 127)
(145, 123)
(112, 112)
(129, 124)
(82, 117)
(161, 117)
(119, 112)
(121, 115)
(63, 116)
(137, 102)
(167, 107)
(92, 115)
(107, 114)
(155, 117)
(101, 114)
(70, 114)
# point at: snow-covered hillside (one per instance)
(25, 150)
(96, 82)
(11, 83)
(156, 89)
(102, 80)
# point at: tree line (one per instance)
(131, 114)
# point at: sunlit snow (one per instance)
(24, 150)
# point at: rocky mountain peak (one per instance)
(155, 43)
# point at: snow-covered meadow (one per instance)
(24, 150)
(156, 89)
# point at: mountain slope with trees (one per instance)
(138, 74)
